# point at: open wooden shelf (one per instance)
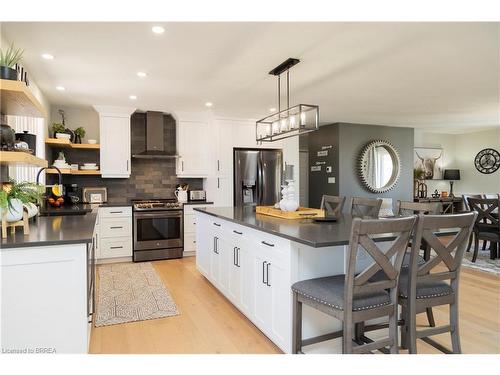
(74, 172)
(21, 158)
(65, 143)
(16, 99)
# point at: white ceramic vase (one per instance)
(13, 212)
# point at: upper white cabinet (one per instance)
(114, 128)
(195, 147)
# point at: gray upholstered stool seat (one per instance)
(330, 291)
(425, 289)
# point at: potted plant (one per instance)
(8, 61)
(79, 134)
(59, 131)
(14, 195)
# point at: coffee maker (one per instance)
(72, 193)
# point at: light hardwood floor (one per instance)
(208, 322)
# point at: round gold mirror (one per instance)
(379, 166)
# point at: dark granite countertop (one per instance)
(74, 209)
(305, 231)
(54, 230)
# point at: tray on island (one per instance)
(301, 213)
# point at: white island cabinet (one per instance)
(252, 270)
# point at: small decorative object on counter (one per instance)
(436, 194)
(8, 61)
(288, 202)
(58, 130)
(13, 196)
(60, 162)
(79, 134)
(444, 194)
(181, 193)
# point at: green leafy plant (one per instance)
(418, 174)
(80, 132)
(58, 128)
(26, 192)
(11, 57)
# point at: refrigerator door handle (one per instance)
(260, 178)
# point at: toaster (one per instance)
(197, 195)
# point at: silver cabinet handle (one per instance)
(127, 165)
(267, 243)
(235, 262)
(115, 227)
(267, 274)
(264, 272)
(238, 264)
(115, 212)
(182, 165)
(218, 165)
(116, 247)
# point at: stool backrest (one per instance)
(389, 261)
(365, 208)
(332, 204)
(451, 254)
(414, 208)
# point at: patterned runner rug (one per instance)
(130, 292)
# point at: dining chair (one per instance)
(365, 208)
(352, 297)
(421, 288)
(467, 208)
(333, 205)
(404, 208)
(487, 226)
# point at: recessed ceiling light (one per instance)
(141, 74)
(272, 109)
(47, 56)
(158, 29)
(60, 88)
(132, 97)
(209, 104)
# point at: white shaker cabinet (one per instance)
(251, 270)
(114, 130)
(195, 147)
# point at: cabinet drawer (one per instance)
(115, 247)
(189, 223)
(115, 211)
(116, 227)
(190, 242)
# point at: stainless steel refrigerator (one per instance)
(257, 177)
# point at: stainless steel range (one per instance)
(158, 229)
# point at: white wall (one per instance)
(75, 117)
(459, 151)
(467, 147)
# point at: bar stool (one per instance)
(333, 205)
(365, 208)
(353, 297)
(420, 289)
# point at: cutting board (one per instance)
(301, 213)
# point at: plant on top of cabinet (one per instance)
(8, 61)
(79, 134)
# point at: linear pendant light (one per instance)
(291, 121)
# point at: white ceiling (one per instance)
(438, 76)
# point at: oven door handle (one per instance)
(158, 215)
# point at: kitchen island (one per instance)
(254, 259)
(47, 285)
